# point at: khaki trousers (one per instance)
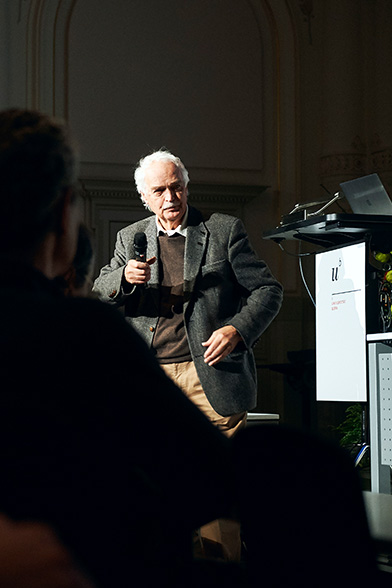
(224, 533)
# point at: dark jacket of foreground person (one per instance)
(96, 440)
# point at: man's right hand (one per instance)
(138, 272)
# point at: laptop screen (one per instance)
(367, 195)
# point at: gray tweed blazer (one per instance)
(224, 283)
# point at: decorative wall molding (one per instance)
(46, 25)
(306, 7)
(200, 175)
(225, 193)
(111, 205)
(121, 194)
(381, 161)
(356, 164)
(343, 164)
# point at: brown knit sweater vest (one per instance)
(170, 342)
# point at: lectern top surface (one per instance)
(331, 228)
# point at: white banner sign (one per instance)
(341, 324)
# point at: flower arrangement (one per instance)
(385, 288)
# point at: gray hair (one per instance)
(145, 162)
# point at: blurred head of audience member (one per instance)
(40, 216)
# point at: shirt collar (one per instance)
(181, 229)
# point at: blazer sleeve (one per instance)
(109, 284)
(262, 294)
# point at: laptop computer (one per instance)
(367, 195)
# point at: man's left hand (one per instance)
(221, 343)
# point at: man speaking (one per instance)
(201, 299)
(198, 295)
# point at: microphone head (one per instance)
(140, 246)
(140, 240)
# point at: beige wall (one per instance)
(263, 99)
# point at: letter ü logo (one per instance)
(335, 274)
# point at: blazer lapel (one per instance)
(152, 251)
(195, 246)
(152, 286)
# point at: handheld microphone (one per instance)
(140, 246)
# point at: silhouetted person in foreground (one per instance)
(94, 439)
